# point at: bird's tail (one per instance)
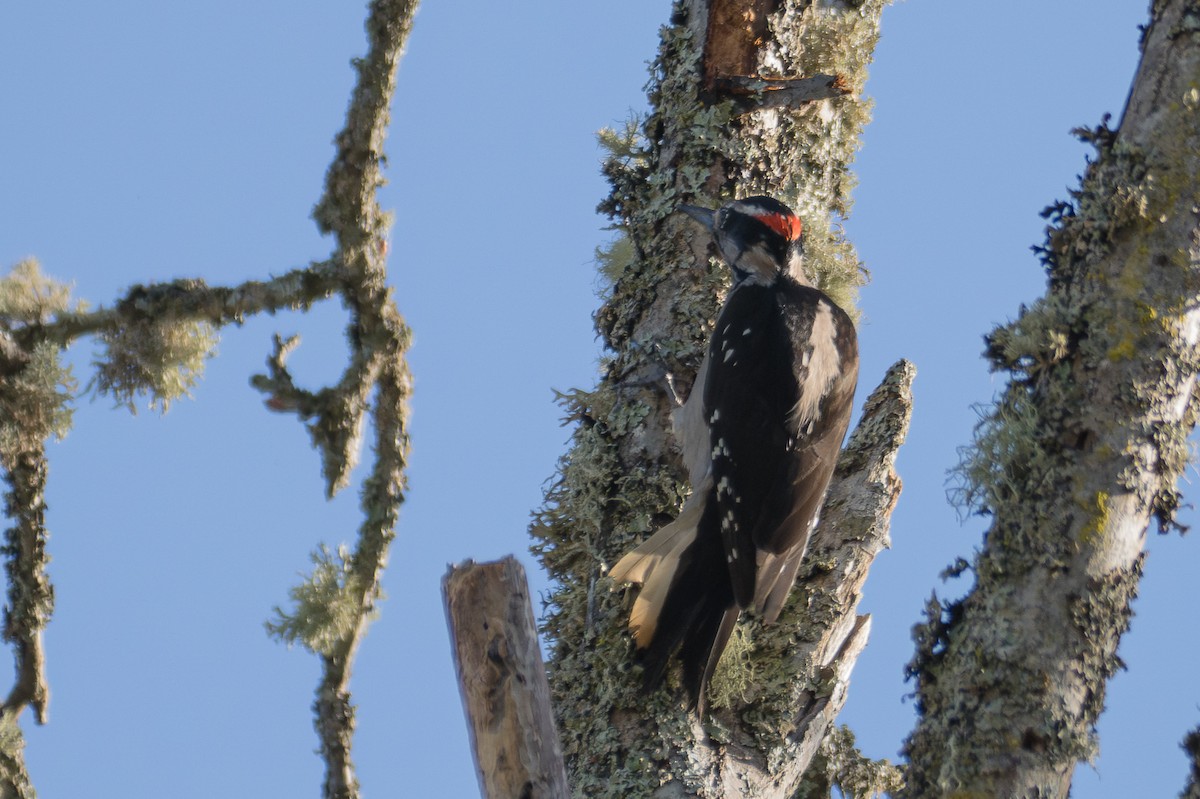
(654, 566)
(686, 602)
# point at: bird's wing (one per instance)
(780, 386)
(749, 392)
(826, 376)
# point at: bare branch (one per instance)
(505, 694)
(348, 208)
(336, 416)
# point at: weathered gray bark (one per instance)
(502, 679)
(1082, 452)
(718, 129)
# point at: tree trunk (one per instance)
(733, 114)
(1083, 450)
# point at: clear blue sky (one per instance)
(145, 141)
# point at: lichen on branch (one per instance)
(153, 343)
(325, 607)
(159, 358)
(1081, 452)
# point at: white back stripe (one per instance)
(823, 363)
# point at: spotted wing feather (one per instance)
(783, 366)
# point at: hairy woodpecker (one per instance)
(760, 434)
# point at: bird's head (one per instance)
(759, 237)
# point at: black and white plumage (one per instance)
(760, 435)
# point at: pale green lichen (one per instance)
(29, 297)
(1105, 608)
(614, 259)
(607, 497)
(625, 145)
(735, 676)
(1086, 317)
(1096, 518)
(1006, 460)
(160, 359)
(13, 774)
(37, 401)
(326, 605)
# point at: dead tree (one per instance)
(747, 98)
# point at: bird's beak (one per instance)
(702, 215)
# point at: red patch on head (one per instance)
(786, 225)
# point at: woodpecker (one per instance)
(760, 435)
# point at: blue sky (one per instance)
(146, 141)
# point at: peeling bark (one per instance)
(733, 37)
